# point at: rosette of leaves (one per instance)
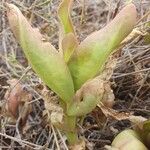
(71, 72)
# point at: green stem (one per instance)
(72, 135)
(69, 126)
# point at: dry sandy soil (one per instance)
(130, 80)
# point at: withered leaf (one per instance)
(16, 101)
(79, 146)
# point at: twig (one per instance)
(62, 139)
(131, 73)
(31, 145)
(55, 137)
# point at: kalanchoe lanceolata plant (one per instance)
(71, 72)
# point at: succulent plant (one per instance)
(73, 70)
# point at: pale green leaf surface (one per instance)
(128, 140)
(42, 56)
(66, 30)
(91, 55)
(87, 97)
(64, 16)
(69, 44)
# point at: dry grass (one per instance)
(130, 81)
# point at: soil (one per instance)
(130, 80)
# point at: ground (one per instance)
(130, 80)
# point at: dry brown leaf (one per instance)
(108, 112)
(16, 101)
(108, 69)
(134, 34)
(79, 146)
(108, 96)
(54, 111)
(137, 120)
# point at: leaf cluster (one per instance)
(73, 71)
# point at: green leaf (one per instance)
(145, 132)
(67, 37)
(91, 55)
(69, 44)
(64, 16)
(86, 98)
(42, 56)
(128, 140)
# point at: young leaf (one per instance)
(42, 56)
(69, 44)
(90, 56)
(64, 16)
(67, 38)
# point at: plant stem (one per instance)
(72, 135)
(69, 126)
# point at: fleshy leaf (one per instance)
(64, 16)
(69, 44)
(67, 37)
(145, 132)
(42, 56)
(87, 97)
(128, 140)
(94, 92)
(90, 56)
